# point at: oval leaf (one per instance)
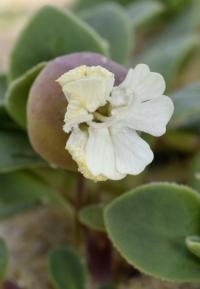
(9, 210)
(16, 152)
(149, 225)
(169, 51)
(5, 120)
(111, 22)
(3, 87)
(187, 108)
(17, 95)
(38, 42)
(92, 217)
(143, 11)
(65, 269)
(3, 259)
(85, 4)
(21, 189)
(194, 173)
(193, 245)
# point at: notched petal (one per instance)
(132, 153)
(144, 83)
(100, 155)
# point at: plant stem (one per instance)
(80, 191)
(80, 195)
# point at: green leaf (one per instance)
(17, 95)
(9, 210)
(86, 4)
(168, 53)
(16, 152)
(141, 12)
(193, 245)
(20, 189)
(194, 173)
(61, 180)
(182, 141)
(92, 217)
(65, 269)
(187, 108)
(3, 87)
(5, 121)
(175, 4)
(40, 42)
(149, 226)
(167, 58)
(111, 22)
(3, 259)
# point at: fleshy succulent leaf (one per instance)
(141, 12)
(187, 108)
(16, 152)
(111, 22)
(17, 95)
(193, 245)
(149, 225)
(38, 42)
(65, 269)
(92, 217)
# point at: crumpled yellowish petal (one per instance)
(76, 146)
(86, 89)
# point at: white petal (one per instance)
(89, 85)
(133, 154)
(151, 116)
(75, 115)
(120, 97)
(100, 155)
(90, 93)
(144, 83)
(76, 144)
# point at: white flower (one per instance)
(103, 120)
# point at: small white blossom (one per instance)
(103, 120)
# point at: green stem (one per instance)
(80, 195)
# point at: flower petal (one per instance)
(132, 153)
(151, 116)
(76, 145)
(91, 93)
(75, 115)
(100, 156)
(89, 85)
(144, 83)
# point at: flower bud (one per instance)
(47, 105)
